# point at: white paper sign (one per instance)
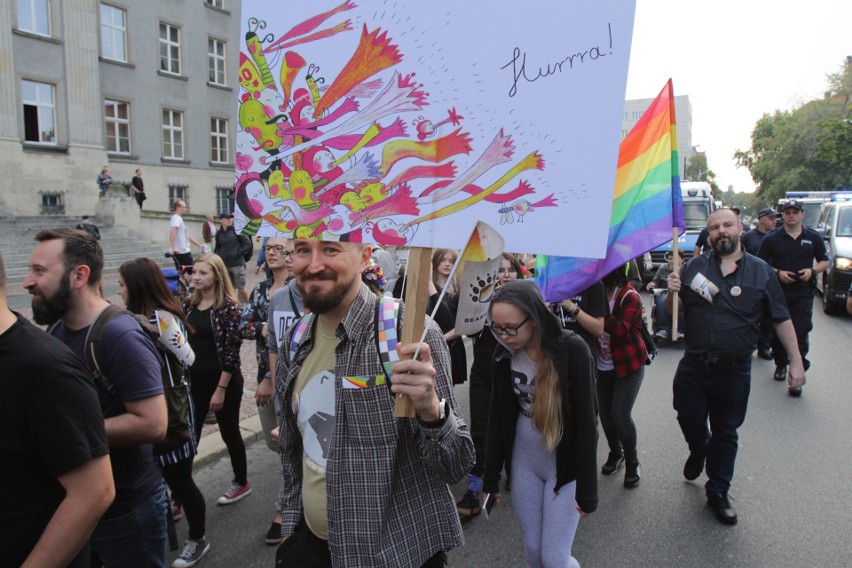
(402, 123)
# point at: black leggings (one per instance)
(228, 417)
(184, 490)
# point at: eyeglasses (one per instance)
(278, 249)
(507, 331)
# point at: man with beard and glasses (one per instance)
(726, 294)
(797, 254)
(363, 488)
(65, 282)
(52, 446)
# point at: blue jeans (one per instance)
(663, 319)
(136, 539)
(717, 392)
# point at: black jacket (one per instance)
(576, 453)
(234, 249)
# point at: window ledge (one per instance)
(46, 148)
(117, 62)
(162, 73)
(175, 161)
(122, 157)
(221, 166)
(221, 87)
(32, 35)
(217, 9)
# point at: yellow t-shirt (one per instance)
(313, 401)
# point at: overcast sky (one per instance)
(737, 60)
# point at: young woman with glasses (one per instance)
(543, 423)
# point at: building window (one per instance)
(169, 48)
(39, 112)
(172, 134)
(178, 192)
(216, 61)
(223, 199)
(113, 33)
(219, 140)
(117, 117)
(216, 4)
(52, 203)
(34, 16)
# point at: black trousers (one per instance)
(303, 549)
(801, 308)
(228, 418)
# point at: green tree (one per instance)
(804, 149)
(696, 170)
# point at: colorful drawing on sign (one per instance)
(340, 139)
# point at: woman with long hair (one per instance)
(481, 376)
(442, 265)
(143, 288)
(543, 423)
(217, 383)
(621, 368)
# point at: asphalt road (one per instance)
(791, 487)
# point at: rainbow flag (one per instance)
(646, 205)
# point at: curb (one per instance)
(211, 447)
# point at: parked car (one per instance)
(835, 224)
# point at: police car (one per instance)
(835, 225)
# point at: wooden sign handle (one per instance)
(417, 275)
(675, 268)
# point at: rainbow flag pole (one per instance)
(647, 207)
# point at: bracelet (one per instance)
(221, 387)
(576, 311)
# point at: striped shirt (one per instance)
(389, 505)
(730, 325)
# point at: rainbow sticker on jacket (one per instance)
(363, 382)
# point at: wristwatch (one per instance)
(442, 416)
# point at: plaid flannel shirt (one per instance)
(627, 346)
(389, 505)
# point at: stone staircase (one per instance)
(17, 239)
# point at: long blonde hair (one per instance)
(547, 403)
(223, 287)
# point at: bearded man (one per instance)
(727, 292)
(363, 488)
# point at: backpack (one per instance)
(644, 334)
(387, 334)
(175, 377)
(89, 228)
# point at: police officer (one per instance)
(766, 218)
(727, 293)
(791, 251)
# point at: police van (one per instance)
(835, 225)
(811, 201)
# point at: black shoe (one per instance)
(632, 474)
(469, 505)
(795, 392)
(722, 508)
(612, 464)
(273, 535)
(780, 373)
(764, 354)
(693, 467)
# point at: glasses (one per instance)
(278, 249)
(507, 331)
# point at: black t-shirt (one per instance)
(592, 301)
(203, 343)
(138, 183)
(50, 424)
(751, 241)
(701, 242)
(783, 252)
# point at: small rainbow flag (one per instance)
(646, 205)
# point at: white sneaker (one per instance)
(192, 552)
(234, 493)
(662, 334)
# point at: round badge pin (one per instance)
(736, 291)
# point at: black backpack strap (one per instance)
(92, 347)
